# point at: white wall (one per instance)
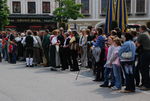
(24, 9)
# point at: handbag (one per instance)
(127, 55)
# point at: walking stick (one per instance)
(77, 75)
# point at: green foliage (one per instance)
(4, 13)
(67, 9)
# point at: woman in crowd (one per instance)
(20, 47)
(66, 60)
(100, 42)
(74, 51)
(127, 58)
(83, 45)
(54, 50)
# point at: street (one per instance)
(18, 83)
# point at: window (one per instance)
(128, 3)
(31, 7)
(85, 6)
(16, 7)
(46, 7)
(140, 6)
(104, 4)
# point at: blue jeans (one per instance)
(117, 75)
(107, 73)
(129, 75)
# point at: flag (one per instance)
(121, 14)
(110, 16)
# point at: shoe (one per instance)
(31, 65)
(115, 88)
(53, 69)
(144, 88)
(141, 85)
(96, 80)
(110, 86)
(73, 70)
(27, 65)
(46, 66)
(63, 69)
(103, 85)
(127, 91)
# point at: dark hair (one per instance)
(144, 28)
(47, 31)
(89, 27)
(75, 33)
(134, 33)
(100, 31)
(34, 33)
(128, 36)
(29, 32)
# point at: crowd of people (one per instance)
(118, 58)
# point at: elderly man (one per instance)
(143, 41)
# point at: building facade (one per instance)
(33, 14)
(95, 12)
(39, 12)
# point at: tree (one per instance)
(4, 13)
(67, 9)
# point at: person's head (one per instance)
(47, 31)
(113, 32)
(88, 31)
(66, 34)
(99, 31)
(61, 30)
(111, 39)
(143, 28)
(22, 34)
(128, 36)
(83, 32)
(117, 29)
(55, 32)
(35, 33)
(117, 42)
(90, 28)
(134, 33)
(29, 32)
(74, 33)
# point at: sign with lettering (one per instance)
(30, 20)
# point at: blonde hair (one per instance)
(117, 41)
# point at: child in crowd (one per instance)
(115, 62)
(108, 68)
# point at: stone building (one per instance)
(32, 13)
